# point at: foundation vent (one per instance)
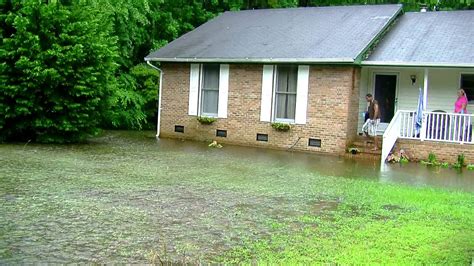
(221, 133)
(314, 142)
(262, 137)
(179, 129)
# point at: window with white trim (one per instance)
(285, 93)
(210, 90)
(467, 83)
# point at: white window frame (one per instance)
(274, 96)
(200, 92)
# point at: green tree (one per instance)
(57, 64)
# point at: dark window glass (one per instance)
(210, 89)
(285, 92)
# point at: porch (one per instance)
(436, 127)
(397, 91)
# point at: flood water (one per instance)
(414, 174)
(127, 197)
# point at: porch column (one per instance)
(425, 103)
(425, 89)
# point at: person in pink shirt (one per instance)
(460, 106)
(463, 127)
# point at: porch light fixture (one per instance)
(413, 79)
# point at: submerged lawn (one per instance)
(125, 197)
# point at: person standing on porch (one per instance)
(371, 125)
(462, 126)
(460, 106)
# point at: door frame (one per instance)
(383, 126)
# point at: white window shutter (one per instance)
(223, 91)
(193, 89)
(302, 95)
(267, 91)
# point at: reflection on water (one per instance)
(410, 173)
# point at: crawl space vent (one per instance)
(314, 143)
(262, 137)
(221, 133)
(179, 129)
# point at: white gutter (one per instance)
(416, 64)
(255, 60)
(160, 92)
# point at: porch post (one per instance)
(425, 89)
(425, 103)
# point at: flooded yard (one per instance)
(126, 197)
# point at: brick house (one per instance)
(308, 67)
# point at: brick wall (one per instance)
(331, 116)
(446, 152)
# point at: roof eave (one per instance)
(254, 60)
(417, 64)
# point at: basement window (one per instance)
(179, 129)
(314, 143)
(262, 137)
(221, 133)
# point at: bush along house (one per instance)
(297, 78)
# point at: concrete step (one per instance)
(365, 146)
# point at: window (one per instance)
(467, 83)
(285, 93)
(210, 89)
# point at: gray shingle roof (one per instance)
(316, 34)
(433, 38)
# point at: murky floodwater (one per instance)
(127, 197)
(415, 174)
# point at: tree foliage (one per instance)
(57, 65)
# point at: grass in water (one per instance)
(124, 197)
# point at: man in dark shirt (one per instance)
(370, 126)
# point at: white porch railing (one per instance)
(437, 126)
(391, 134)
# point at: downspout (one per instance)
(160, 92)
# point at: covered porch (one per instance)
(398, 90)
(427, 51)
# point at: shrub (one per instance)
(460, 163)
(432, 160)
(278, 126)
